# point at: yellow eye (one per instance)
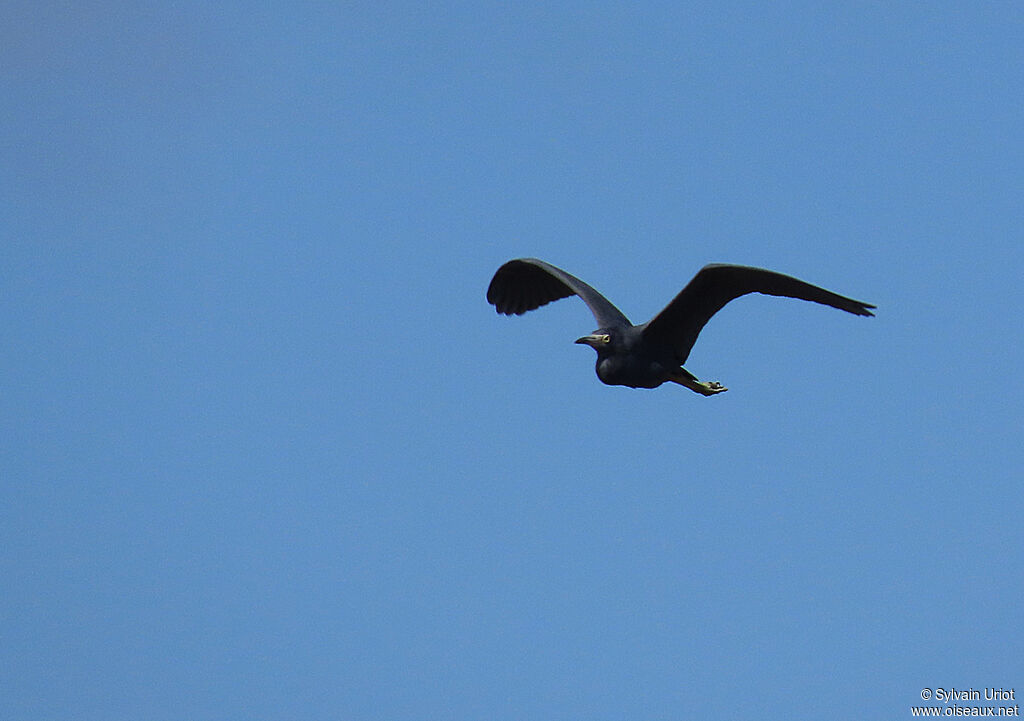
(606, 338)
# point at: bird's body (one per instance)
(626, 361)
(647, 355)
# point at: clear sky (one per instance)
(267, 453)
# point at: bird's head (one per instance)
(601, 340)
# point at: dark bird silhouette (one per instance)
(647, 355)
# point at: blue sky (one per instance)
(267, 453)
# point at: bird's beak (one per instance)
(591, 340)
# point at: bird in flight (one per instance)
(649, 354)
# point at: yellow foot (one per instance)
(710, 388)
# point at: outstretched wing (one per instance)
(527, 283)
(681, 321)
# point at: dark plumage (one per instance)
(647, 355)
